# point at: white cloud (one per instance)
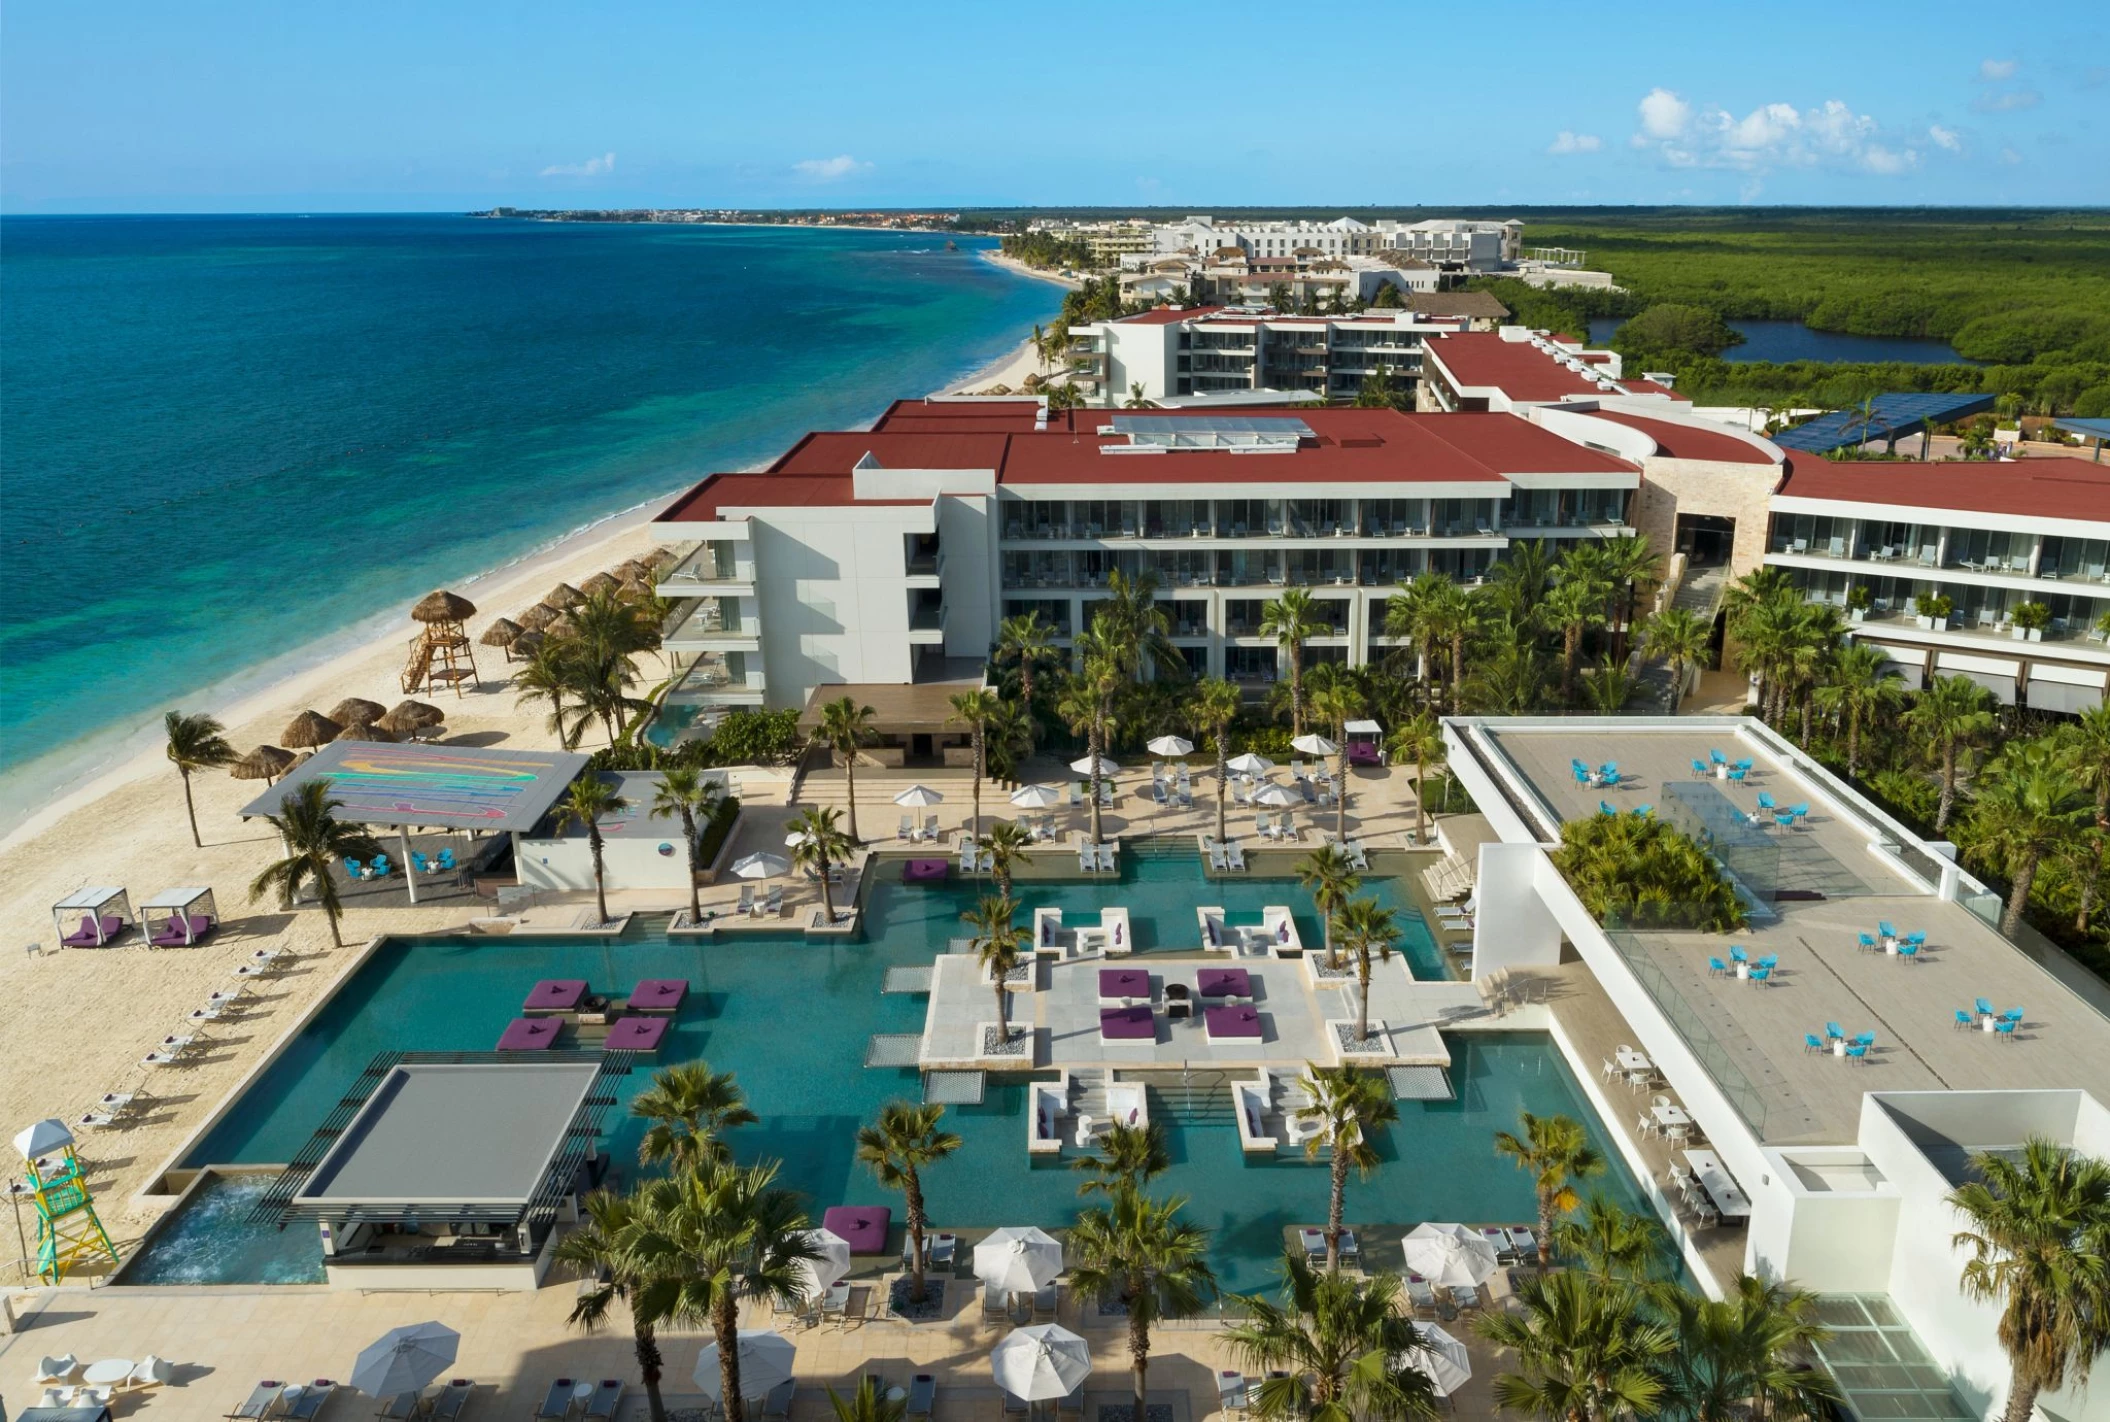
(1997, 69)
(2010, 157)
(829, 170)
(2002, 101)
(1774, 135)
(1566, 142)
(1947, 138)
(591, 168)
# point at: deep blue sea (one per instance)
(224, 440)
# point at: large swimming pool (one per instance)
(792, 1017)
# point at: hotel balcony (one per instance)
(926, 623)
(724, 568)
(733, 679)
(709, 624)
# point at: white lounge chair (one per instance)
(907, 828)
(747, 899)
(773, 906)
(930, 827)
(1235, 857)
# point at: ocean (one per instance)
(227, 442)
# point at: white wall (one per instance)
(567, 864)
(967, 534)
(1512, 928)
(831, 581)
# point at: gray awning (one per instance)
(2059, 696)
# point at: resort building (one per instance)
(1865, 1033)
(1452, 245)
(1244, 352)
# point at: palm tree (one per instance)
(1133, 626)
(1331, 881)
(1408, 619)
(684, 792)
(602, 1248)
(1086, 705)
(1956, 715)
(1447, 617)
(1520, 581)
(1574, 606)
(907, 1138)
(550, 675)
(1557, 1152)
(1587, 1349)
(195, 742)
(846, 728)
(1419, 739)
(1747, 1355)
(590, 800)
(822, 845)
(1291, 619)
(869, 1403)
(1347, 1105)
(1007, 845)
(313, 837)
(691, 1108)
(2029, 805)
(975, 710)
(2039, 1238)
(1335, 1349)
(1337, 703)
(1610, 1241)
(1031, 643)
(1683, 641)
(1862, 683)
(997, 944)
(1140, 1251)
(1212, 706)
(1628, 563)
(1136, 399)
(1609, 686)
(1365, 926)
(1129, 1158)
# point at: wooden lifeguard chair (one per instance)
(440, 655)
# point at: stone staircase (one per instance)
(1701, 592)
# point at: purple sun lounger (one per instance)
(636, 1034)
(528, 1034)
(1236, 1022)
(862, 1227)
(926, 871)
(659, 995)
(1223, 982)
(88, 935)
(180, 930)
(553, 995)
(1123, 983)
(1127, 1024)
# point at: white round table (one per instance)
(107, 1373)
(897, 1394)
(581, 1392)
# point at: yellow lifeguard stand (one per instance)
(68, 1230)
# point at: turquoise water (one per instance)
(230, 437)
(791, 1017)
(212, 1240)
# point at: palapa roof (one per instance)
(538, 617)
(501, 633)
(310, 729)
(263, 763)
(562, 627)
(367, 731)
(633, 568)
(354, 709)
(564, 595)
(600, 583)
(443, 606)
(411, 716)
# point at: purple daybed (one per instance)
(926, 871)
(554, 995)
(528, 1034)
(658, 994)
(88, 935)
(1127, 1024)
(1223, 982)
(181, 930)
(1237, 1022)
(862, 1227)
(636, 1034)
(1123, 983)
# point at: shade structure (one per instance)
(600, 583)
(443, 606)
(1083, 766)
(356, 709)
(1171, 745)
(562, 627)
(263, 763)
(366, 731)
(795, 839)
(528, 643)
(43, 1138)
(633, 568)
(310, 729)
(564, 595)
(1449, 1255)
(765, 1361)
(501, 633)
(407, 716)
(539, 616)
(638, 589)
(1249, 764)
(1273, 794)
(1036, 797)
(1018, 1259)
(1442, 1357)
(1312, 743)
(833, 1264)
(1041, 1363)
(761, 866)
(919, 796)
(404, 1359)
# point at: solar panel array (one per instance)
(1889, 417)
(1212, 431)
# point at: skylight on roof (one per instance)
(1271, 432)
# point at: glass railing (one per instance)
(1698, 1038)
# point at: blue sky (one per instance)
(125, 106)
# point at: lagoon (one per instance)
(1791, 340)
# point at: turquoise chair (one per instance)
(355, 868)
(1965, 1019)
(1811, 1042)
(2005, 1029)
(1858, 1052)
(1717, 966)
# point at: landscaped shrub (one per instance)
(1639, 872)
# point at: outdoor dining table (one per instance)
(107, 1373)
(1631, 1060)
(1668, 1115)
(1729, 1200)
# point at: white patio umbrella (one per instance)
(1083, 766)
(1312, 743)
(1171, 745)
(834, 1263)
(919, 797)
(1249, 764)
(1273, 794)
(404, 1359)
(1036, 797)
(1018, 1260)
(1449, 1255)
(765, 1361)
(1042, 1362)
(795, 839)
(1443, 1358)
(761, 866)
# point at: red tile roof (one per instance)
(1480, 360)
(837, 451)
(1167, 315)
(959, 416)
(1677, 441)
(2042, 488)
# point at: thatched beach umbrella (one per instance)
(528, 644)
(660, 556)
(309, 730)
(300, 760)
(539, 617)
(562, 627)
(564, 595)
(599, 583)
(501, 633)
(264, 763)
(408, 716)
(443, 606)
(367, 731)
(639, 590)
(354, 709)
(634, 568)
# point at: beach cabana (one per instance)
(90, 917)
(1366, 742)
(188, 915)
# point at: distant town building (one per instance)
(1212, 351)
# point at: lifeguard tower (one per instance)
(68, 1230)
(440, 654)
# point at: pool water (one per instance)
(211, 1240)
(791, 1017)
